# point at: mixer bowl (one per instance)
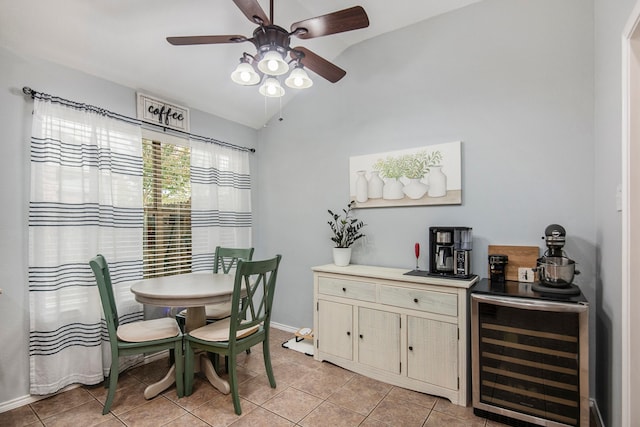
(557, 271)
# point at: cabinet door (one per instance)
(335, 323)
(432, 354)
(379, 339)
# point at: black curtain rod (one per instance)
(35, 94)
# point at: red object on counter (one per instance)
(417, 249)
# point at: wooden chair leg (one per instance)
(233, 382)
(188, 368)
(113, 385)
(179, 361)
(267, 363)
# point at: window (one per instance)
(167, 208)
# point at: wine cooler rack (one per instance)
(530, 360)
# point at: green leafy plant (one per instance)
(416, 166)
(346, 228)
(390, 167)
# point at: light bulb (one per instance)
(244, 74)
(298, 79)
(271, 88)
(273, 64)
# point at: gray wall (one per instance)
(519, 97)
(512, 79)
(15, 125)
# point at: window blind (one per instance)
(167, 208)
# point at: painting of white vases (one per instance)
(427, 175)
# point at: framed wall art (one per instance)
(429, 175)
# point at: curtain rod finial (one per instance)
(27, 91)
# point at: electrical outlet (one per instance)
(525, 274)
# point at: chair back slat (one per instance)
(103, 279)
(257, 281)
(227, 258)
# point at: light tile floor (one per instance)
(308, 394)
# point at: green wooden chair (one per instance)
(146, 336)
(225, 259)
(247, 326)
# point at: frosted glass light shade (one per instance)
(245, 75)
(273, 64)
(298, 79)
(271, 88)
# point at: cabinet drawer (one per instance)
(347, 288)
(434, 302)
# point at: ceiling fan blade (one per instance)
(252, 10)
(187, 40)
(332, 23)
(317, 64)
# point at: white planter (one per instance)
(437, 182)
(362, 187)
(392, 189)
(375, 186)
(415, 189)
(341, 256)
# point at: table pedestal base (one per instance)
(207, 367)
(156, 388)
(202, 364)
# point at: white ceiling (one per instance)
(124, 41)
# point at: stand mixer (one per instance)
(555, 269)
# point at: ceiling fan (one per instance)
(272, 44)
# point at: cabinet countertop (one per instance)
(396, 274)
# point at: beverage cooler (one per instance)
(529, 356)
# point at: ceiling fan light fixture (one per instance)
(273, 64)
(298, 79)
(244, 74)
(271, 88)
(273, 46)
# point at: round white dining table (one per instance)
(193, 291)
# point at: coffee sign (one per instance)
(162, 113)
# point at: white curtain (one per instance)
(86, 198)
(220, 200)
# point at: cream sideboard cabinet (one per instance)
(409, 331)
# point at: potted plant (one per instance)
(346, 230)
(391, 168)
(415, 167)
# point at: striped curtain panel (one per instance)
(86, 198)
(220, 201)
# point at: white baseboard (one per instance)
(285, 328)
(25, 400)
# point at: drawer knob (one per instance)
(410, 348)
(348, 333)
(344, 289)
(360, 336)
(415, 300)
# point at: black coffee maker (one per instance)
(450, 251)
